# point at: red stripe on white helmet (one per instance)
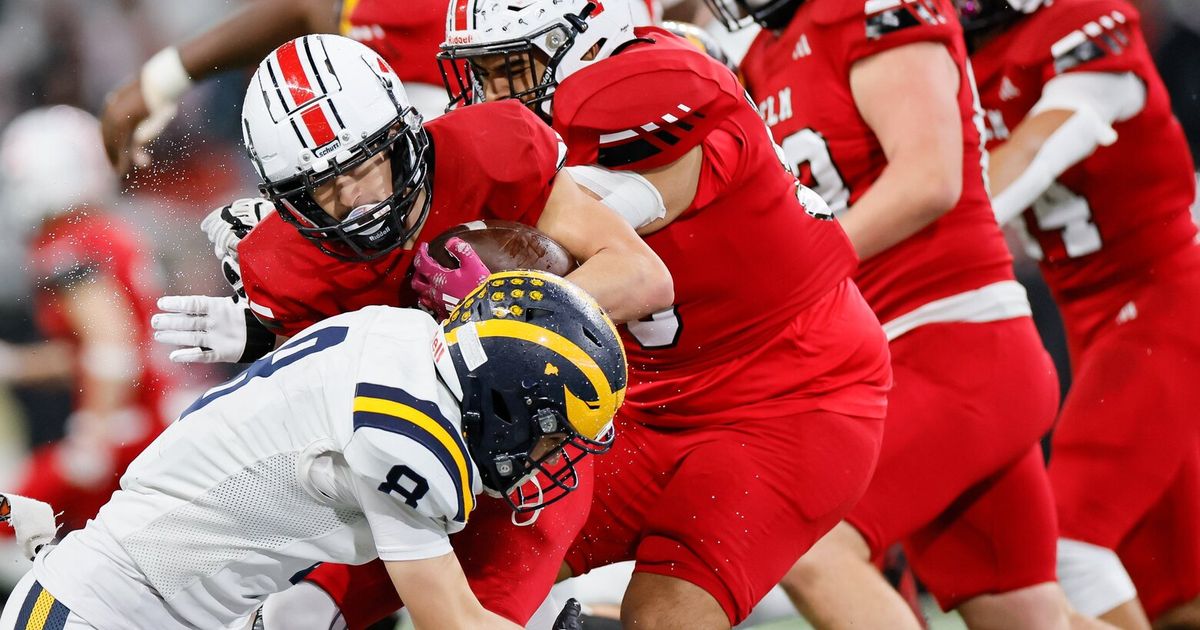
(462, 9)
(294, 76)
(317, 124)
(302, 92)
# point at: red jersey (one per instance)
(490, 161)
(800, 78)
(745, 257)
(1085, 231)
(408, 35)
(88, 244)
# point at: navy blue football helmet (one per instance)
(543, 372)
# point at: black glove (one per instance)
(569, 619)
(226, 226)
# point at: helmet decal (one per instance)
(589, 417)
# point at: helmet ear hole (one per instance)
(591, 336)
(534, 313)
(500, 408)
(591, 53)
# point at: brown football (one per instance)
(504, 246)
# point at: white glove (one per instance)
(32, 520)
(226, 226)
(211, 329)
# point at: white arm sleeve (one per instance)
(626, 193)
(1098, 99)
(1114, 97)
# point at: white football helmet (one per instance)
(318, 107)
(563, 35)
(52, 159)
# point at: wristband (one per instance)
(164, 79)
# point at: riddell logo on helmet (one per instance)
(460, 39)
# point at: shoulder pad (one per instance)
(646, 107)
(1086, 32)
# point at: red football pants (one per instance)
(960, 481)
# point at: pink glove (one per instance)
(441, 289)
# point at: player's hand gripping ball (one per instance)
(440, 286)
(457, 260)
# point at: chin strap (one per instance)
(521, 495)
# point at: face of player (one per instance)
(368, 184)
(547, 444)
(506, 74)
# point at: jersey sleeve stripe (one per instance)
(41, 611)
(368, 413)
(383, 411)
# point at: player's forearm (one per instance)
(477, 617)
(108, 384)
(618, 268)
(1041, 148)
(245, 37)
(437, 595)
(1007, 161)
(109, 362)
(906, 198)
(627, 284)
(35, 363)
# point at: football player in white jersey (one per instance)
(367, 435)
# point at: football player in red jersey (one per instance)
(94, 293)
(359, 187)
(874, 102)
(405, 34)
(1080, 129)
(752, 419)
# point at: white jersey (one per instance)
(341, 446)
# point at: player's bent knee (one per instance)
(660, 602)
(301, 607)
(1037, 607)
(1093, 577)
(843, 544)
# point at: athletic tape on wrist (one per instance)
(164, 79)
